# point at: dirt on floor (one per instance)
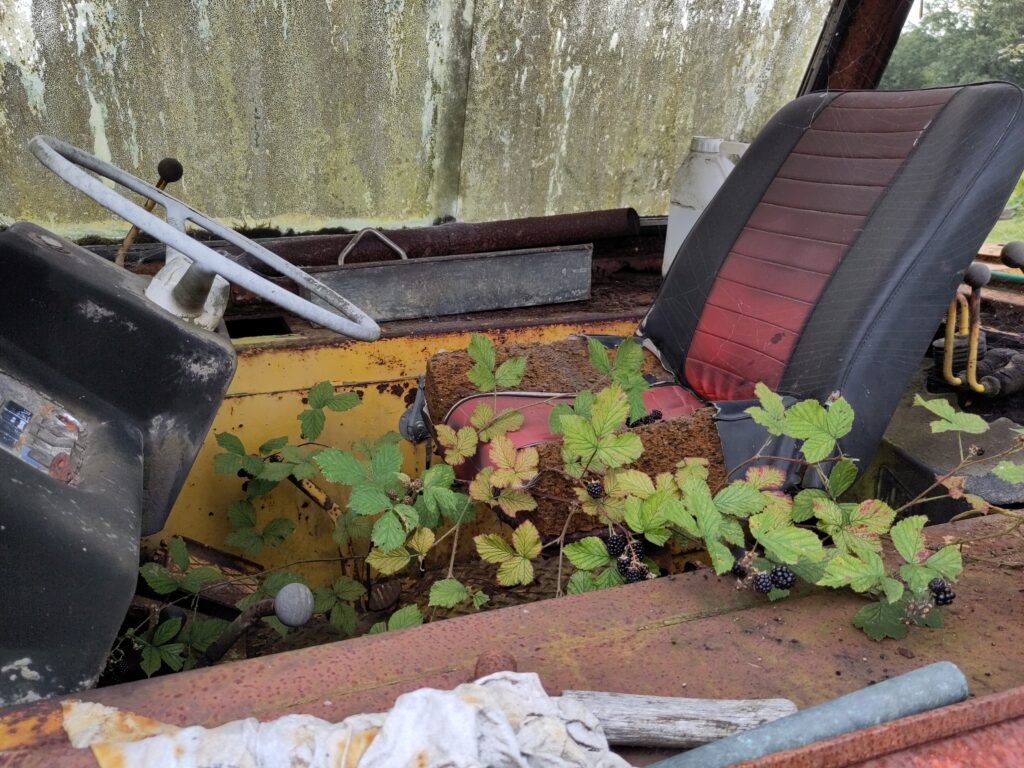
(665, 444)
(561, 366)
(476, 575)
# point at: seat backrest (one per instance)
(826, 259)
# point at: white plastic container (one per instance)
(693, 186)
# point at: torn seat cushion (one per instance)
(687, 428)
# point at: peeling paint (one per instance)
(310, 113)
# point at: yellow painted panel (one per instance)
(266, 397)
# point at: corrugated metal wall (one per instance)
(310, 113)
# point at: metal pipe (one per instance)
(947, 351)
(924, 689)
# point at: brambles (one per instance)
(763, 583)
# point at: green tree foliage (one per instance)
(960, 41)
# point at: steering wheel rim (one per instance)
(68, 162)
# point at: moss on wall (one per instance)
(308, 113)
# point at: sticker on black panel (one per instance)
(14, 418)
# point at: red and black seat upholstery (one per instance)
(827, 258)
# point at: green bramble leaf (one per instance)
(526, 540)
(388, 533)
(405, 617)
(311, 423)
(588, 554)
(179, 553)
(273, 445)
(892, 588)
(818, 427)
(321, 392)
(343, 617)
(459, 446)
(599, 357)
(388, 563)
(376, 629)
(1009, 472)
(481, 351)
(385, 462)
(447, 593)
(201, 633)
(803, 504)
(609, 577)
(609, 411)
(245, 539)
(343, 401)
(629, 358)
(515, 571)
(947, 561)
(917, 576)
(881, 620)
(791, 545)
(275, 624)
(348, 589)
(480, 599)
(197, 578)
(166, 631)
(340, 467)
(482, 378)
(555, 417)
(275, 471)
(907, 538)
(841, 478)
(739, 499)
(368, 500)
(580, 582)
(492, 548)
(510, 373)
(951, 420)
(231, 443)
(722, 559)
(857, 573)
(158, 578)
(150, 660)
(227, 463)
(772, 413)
(323, 599)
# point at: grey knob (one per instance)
(977, 275)
(294, 605)
(1013, 254)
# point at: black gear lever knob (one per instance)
(170, 170)
(977, 275)
(1013, 254)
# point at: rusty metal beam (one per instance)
(984, 731)
(855, 45)
(692, 635)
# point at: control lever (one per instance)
(1012, 255)
(293, 606)
(977, 277)
(169, 170)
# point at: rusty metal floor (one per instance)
(688, 635)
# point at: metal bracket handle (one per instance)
(380, 236)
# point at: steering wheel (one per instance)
(68, 161)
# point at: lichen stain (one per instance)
(310, 113)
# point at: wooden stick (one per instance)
(661, 721)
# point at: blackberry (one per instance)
(595, 489)
(635, 573)
(937, 584)
(763, 583)
(944, 596)
(616, 544)
(623, 565)
(738, 570)
(635, 549)
(782, 577)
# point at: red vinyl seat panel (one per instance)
(672, 400)
(796, 237)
